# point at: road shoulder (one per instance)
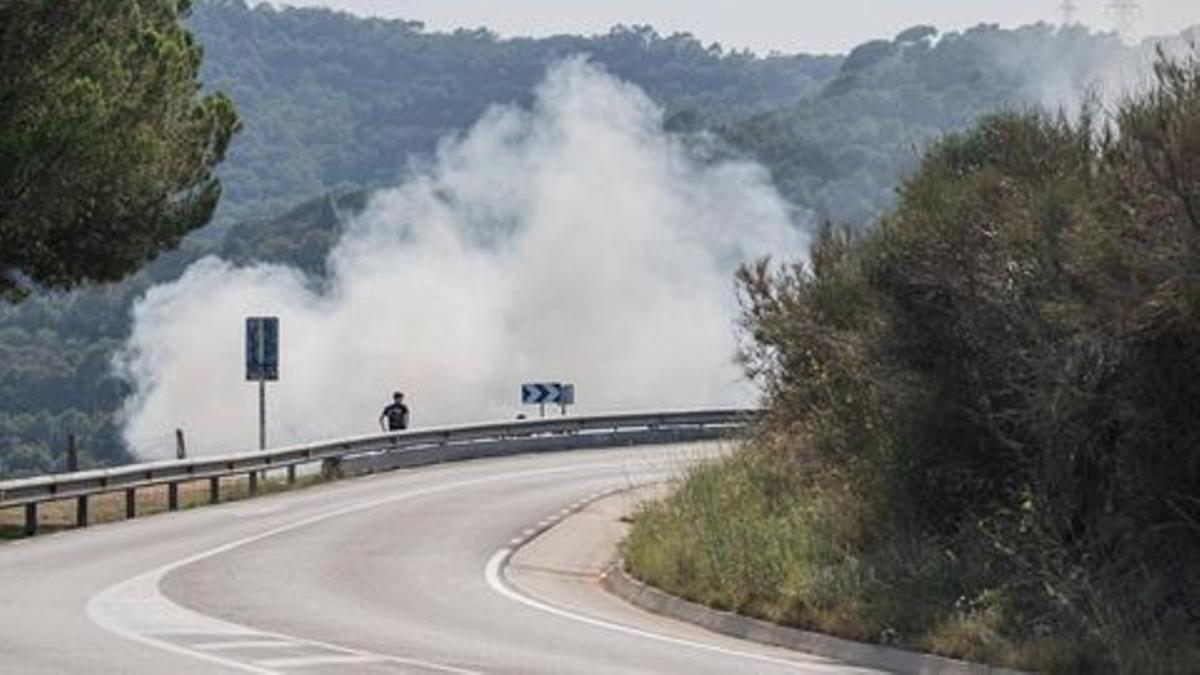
(573, 564)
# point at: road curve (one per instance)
(391, 573)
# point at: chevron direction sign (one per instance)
(542, 392)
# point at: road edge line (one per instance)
(496, 577)
(618, 582)
(99, 607)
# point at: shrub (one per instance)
(996, 392)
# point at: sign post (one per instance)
(262, 414)
(262, 363)
(566, 397)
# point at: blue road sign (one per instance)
(262, 348)
(541, 392)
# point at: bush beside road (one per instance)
(980, 435)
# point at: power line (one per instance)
(1125, 13)
(1069, 11)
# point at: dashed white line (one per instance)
(494, 575)
(136, 610)
(305, 661)
(244, 644)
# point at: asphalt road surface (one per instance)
(400, 572)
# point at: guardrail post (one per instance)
(291, 478)
(72, 454)
(331, 468)
(131, 503)
(81, 511)
(253, 482)
(31, 519)
(173, 496)
(214, 490)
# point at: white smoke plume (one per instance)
(1068, 74)
(572, 241)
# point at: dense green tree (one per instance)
(334, 102)
(842, 152)
(1000, 380)
(107, 150)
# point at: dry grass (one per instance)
(109, 507)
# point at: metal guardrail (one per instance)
(374, 452)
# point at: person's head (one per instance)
(398, 396)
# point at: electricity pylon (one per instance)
(1069, 9)
(1125, 14)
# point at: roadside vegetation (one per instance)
(55, 516)
(981, 433)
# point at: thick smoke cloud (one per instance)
(570, 241)
(1068, 73)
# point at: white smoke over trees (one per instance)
(1076, 69)
(572, 241)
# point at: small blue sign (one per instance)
(262, 348)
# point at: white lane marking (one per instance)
(243, 644)
(136, 610)
(132, 610)
(305, 661)
(494, 574)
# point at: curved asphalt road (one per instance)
(391, 573)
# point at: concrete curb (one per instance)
(616, 581)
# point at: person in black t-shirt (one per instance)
(395, 416)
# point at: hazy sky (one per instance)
(762, 25)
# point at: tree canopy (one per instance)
(107, 150)
(334, 102)
(1000, 380)
(842, 152)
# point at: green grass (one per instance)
(735, 536)
(749, 534)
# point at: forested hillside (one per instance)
(841, 153)
(56, 347)
(333, 101)
(333, 104)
